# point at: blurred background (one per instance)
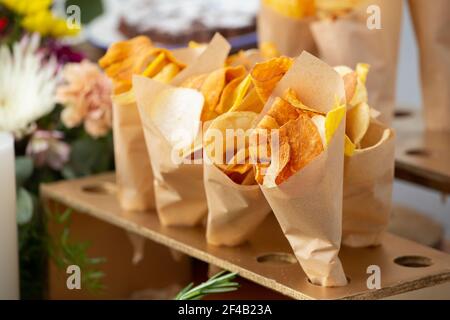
(66, 142)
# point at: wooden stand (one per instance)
(267, 258)
(421, 156)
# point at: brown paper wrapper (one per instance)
(234, 211)
(133, 170)
(308, 205)
(348, 41)
(368, 181)
(290, 36)
(134, 176)
(179, 189)
(432, 24)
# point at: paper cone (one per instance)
(134, 177)
(234, 211)
(431, 22)
(179, 189)
(348, 41)
(368, 181)
(308, 205)
(179, 192)
(133, 171)
(290, 36)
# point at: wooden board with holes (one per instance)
(421, 156)
(265, 260)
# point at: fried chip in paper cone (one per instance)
(348, 40)
(179, 190)
(133, 170)
(290, 36)
(234, 210)
(368, 188)
(308, 205)
(134, 176)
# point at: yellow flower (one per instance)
(40, 22)
(45, 23)
(25, 7)
(37, 17)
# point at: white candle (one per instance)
(9, 262)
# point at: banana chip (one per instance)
(294, 9)
(218, 89)
(155, 66)
(229, 95)
(291, 97)
(265, 75)
(119, 51)
(359, 113)
(138, 56)
(358, 121)
(251, 102)
(167, 73)
(305, 144)
(282, 111)
(303, 134)
(227, 149)
(354, 83)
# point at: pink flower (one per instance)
(47, 148)
(86, 95)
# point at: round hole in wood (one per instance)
(316, 285)
(277, 258)
(98, 188)
(418, 152)
(413, 261)
(402, 113)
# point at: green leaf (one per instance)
(95, 275)
(219, 283)
(183, 291)
(97, 260)
(65, 251)
(24, 169)
(90, 156)
(68, 173)
(24, 206)
(64, 217)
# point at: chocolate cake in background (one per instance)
(176, 22)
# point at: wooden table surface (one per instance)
(421, 156)
(266, 260)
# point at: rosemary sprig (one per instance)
(219, 283)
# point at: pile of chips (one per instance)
(234, 98)
(235, 94)
(359, 113)
(303, 134)
(138, 56)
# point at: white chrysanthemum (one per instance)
(27, 85)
